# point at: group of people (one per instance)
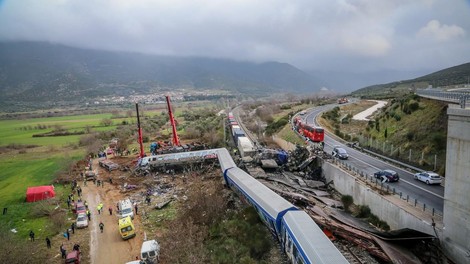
(63, 251)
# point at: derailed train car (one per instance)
(270, 206)
(301, 238)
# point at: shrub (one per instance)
(410, 136)
(347, 201)
(413, 106)
(364, 211)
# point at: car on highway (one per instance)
(387, 176)
(339, 153)
(82, 220)
(428, 177)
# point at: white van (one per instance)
(125, 208)
(150, 251)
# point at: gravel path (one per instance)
(368, 112)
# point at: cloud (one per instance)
(368, 45)
(439, 32)
(320, 34)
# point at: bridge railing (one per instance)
(454, 97)
(387, 189)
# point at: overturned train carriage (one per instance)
(300, 237)
(270, 206)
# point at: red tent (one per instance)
(38, 193)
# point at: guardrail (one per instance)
(389, 190)
(385, 187)
(452, 97)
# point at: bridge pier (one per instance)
(456, 220)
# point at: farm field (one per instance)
(22, 131)
(38, 164)
(32, 161)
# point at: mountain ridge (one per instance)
(39, 72)
(455, 75)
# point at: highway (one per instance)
(431, 195)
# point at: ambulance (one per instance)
(126, 228)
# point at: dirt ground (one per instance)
(109, 247)
(106, 247)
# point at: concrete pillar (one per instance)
(456, 220)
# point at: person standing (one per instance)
(110, 210)
(48, 242)
(63, 251)
(68, 234)
(72, 226)
(88, 214)
(101, 227)
(136, 208)
(31, 235)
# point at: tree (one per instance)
(106, 122)
(347, 201)
(385, 133)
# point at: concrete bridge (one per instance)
(456, 97)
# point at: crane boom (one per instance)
(175, 139)
(142, 154)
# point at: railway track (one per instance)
(249, 135)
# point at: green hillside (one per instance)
(408, 128)
(449, 77)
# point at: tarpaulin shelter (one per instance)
(38, 193)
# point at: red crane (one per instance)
(142, 154)
(175, 140)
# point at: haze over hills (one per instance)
(453, 76)
(42, 72)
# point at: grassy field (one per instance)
(17, 173)
(22, 131)
(289, 135)
(21, 167)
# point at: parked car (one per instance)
(82, 220)
(428, 177)
(387, 175)
(340, 153)
(79, 208)
(73, 257)
(90, 175)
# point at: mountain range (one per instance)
(40, 72)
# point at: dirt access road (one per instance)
(109, 247)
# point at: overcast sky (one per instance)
(337, 35)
